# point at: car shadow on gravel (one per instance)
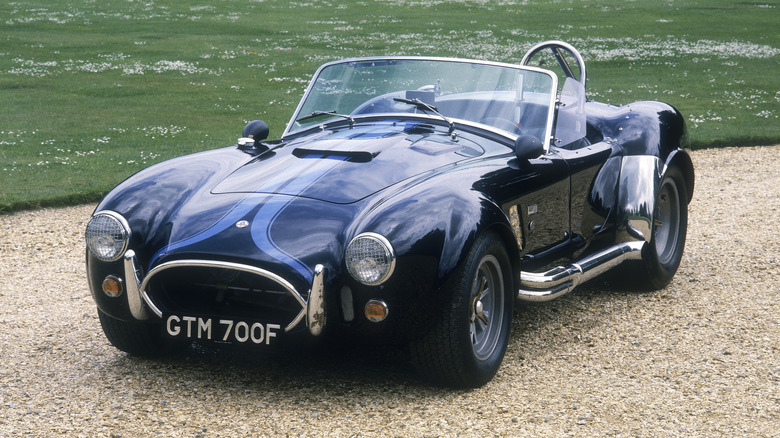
(329, 366)
(324, 366)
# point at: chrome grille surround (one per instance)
(140, 301)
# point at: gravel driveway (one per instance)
(700, 358)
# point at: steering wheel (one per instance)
(556, 47)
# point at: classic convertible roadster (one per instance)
(409, 200)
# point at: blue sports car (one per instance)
(409, 200)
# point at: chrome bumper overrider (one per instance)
(140, 303)
(558, 281)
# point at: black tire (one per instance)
(466, 345)
(661, 258)
(137, 338)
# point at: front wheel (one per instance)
(467, 343)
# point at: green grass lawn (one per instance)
(91, 92)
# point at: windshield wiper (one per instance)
(316, 114)
(426, 107)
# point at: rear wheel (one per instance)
(136, 338)
(467, 343)
(661, 258)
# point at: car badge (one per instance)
(242, 224)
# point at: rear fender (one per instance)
(640, 180)
(640, 177)
(649, 137)
(647, 128)
(682, 160)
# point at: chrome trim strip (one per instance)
(135, 299)
(545, 286)
(138, 288)
(301, 315)
(315, 309)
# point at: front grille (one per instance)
(222, 292)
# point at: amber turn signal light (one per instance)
(112, 286)
(376, 310)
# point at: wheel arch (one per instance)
(650, 137)
(492, 220)
(448, 224)
(506, 235)
(682, 160)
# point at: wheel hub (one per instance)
(479, 312)
(477, 308)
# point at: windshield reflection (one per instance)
(509, 99)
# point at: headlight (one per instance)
(107, 236)
(370, 259)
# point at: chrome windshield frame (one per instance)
(288, 131)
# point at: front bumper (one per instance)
(143, 306)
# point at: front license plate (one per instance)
(220, 330)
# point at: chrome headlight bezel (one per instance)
(370, 259)
(107, 235)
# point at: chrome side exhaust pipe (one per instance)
(545, 286)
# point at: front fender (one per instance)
(436, 220)
(153, 199)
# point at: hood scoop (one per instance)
(346, 166)
(352, 156)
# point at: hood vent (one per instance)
(352, 156)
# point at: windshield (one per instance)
(507, 99)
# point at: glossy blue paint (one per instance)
(350, 164)
(405, 177)
(641, 128)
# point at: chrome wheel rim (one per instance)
(487, 307)
(666, 223)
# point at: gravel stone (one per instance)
(700, 358)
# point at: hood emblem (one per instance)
(242, 224)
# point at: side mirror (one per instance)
(528, 147)
(256, 130)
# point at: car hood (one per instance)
(348, 165)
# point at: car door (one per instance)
(537, 203)
(591, 201)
